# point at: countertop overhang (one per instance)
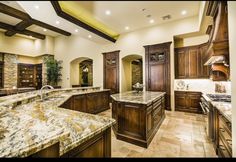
(28, 125)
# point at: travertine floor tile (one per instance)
(180, 135)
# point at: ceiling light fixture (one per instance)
(36, 7)
(151, 21)
(57, 22)
(108, 12)
(89, 36)
(45, 30)
(126, 28)
(76, 30)
(184, 12)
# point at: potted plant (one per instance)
(54, 68)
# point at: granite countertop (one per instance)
(143, 97)
(33, 126)
(224, 107)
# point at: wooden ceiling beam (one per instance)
(19, 27)
(27, 20)
(24, 32)
(13, 12)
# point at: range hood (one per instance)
(219, 72)
(218, 48)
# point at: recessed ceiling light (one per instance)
(108, 12)
(36, 7)
(90, 36)
(57, 22)
(44, 29)
(183, 12)
(151, 21)
(76, 30)
(126, 28)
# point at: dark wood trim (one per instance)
(12, 29)
(13, 12)
(212, 8)
(74, 20)
(27, 21)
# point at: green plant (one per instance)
(54, 68)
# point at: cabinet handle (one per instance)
(222, 129)
(229, 141)
(222, 147)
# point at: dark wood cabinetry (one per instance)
(157, 60)
(29, 75)
(223, 135)
(90, 103)
(188, 101)
(189, 62)
(111, 71)
(138, 123)
(97, 147)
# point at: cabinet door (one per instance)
(80, 103)
(180, 101)
(193, 62)
(157, 79)
(181, 63)
(111, 71)
(91, 103)
(149, 121)
(193, 100)
(205, 69)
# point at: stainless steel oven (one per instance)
(208, 111)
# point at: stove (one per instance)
(219, 97)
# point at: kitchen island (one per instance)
(31, 127)
(138, 115)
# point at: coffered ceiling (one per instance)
(116, 16)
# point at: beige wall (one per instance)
(133, 42)
(29, 60)
(70, 48)
(191, 41)
(232, 51)
(26, 46)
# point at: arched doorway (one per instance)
(81, 72)
(132, 71)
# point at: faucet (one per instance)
(41, 90)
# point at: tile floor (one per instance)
(180, 135)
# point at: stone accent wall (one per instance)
(44, 68)
(10, 70)
(137, 73)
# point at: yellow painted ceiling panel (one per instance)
(74, 9)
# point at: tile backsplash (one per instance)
(202, 85)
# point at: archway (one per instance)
(132, 71)
(81, 72)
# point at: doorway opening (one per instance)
(81, 72)
(132, 72)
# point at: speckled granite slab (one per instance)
(224, 107)
(31, 127)
(144, 97)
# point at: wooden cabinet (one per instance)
(223, 138)
(138, 123)
(79, 103)
(93, 103)
(98, 146)
(111, 71)
(157, 61)
(188, 101)
(189, 62)
(29, 75)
